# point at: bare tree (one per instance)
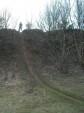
(65, 20)
(56, 16)
(80, 13)
(6, 17)
(1, 22)
(50, 17)
(44, 22)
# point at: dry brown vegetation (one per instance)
(33, 58)
(56, 57)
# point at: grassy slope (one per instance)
(73, 84)
(45, 63)
(17, 100)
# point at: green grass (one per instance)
(41, 100)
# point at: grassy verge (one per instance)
(17, 100)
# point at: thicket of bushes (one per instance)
(65, 47)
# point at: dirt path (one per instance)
(27, 56)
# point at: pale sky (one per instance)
(23, 10)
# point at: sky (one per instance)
(23, 10)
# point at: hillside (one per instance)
(61, 49)
(57, 58)
(42, 68)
